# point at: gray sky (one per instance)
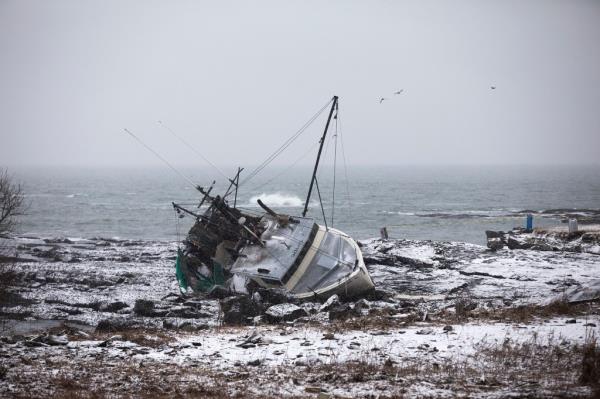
(237, 78)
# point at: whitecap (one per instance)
(277, 200)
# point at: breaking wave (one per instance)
(277, 200)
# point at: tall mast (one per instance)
(314, 175)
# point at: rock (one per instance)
(107, 342)
(425, 331)
(284, 312)
(273, 296)
(448, 328)
(494, 234)
(362, 304)
(379, 295)
(331, 302)
(342, 312)
(588, 237)
(255, 362)
(112, 306)
(69, 311)
(184, 312)
(512, 243)
(495, 244)
(585, 293)
(239, 310)
(542, 246)
(571, 321)
(144, 307)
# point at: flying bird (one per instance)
(382, 99)
(493, 87)
(399, 91)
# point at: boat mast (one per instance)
(314, 175)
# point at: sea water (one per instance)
(456, 203)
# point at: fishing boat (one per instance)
(232, 248)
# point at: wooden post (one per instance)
(384, 233)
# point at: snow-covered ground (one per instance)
(413, 337)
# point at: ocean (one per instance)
(456, 203)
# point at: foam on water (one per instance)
(278, 200)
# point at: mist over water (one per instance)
(437, 203)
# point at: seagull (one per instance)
(382, 99)
(399, 91)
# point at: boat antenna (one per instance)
(191, 148)
(322, 141)
(184, 177)
(235, 183)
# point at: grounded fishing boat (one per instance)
(241, 251)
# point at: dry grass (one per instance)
(463, 311)
(535, 368)
(590, 364)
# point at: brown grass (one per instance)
(535, 367)
(590, 364)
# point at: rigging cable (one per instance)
(285, 145)
(345, 169)
(288, 168)
(192, 148)
(161, 158)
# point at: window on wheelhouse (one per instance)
(335, 259)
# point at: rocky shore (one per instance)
(106, 316)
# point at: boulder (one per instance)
(111, 306)
(184, 312)
(494, 234)
(284, 312)
(342, 311)
(542, 246)
(144, 307)
(273, 296)
(331, 302)
(239, 310)
(495, 244)
(513, 243)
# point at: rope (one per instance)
(192, 148)
(285, 145)
(162, 159)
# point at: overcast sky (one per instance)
(236, 79)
